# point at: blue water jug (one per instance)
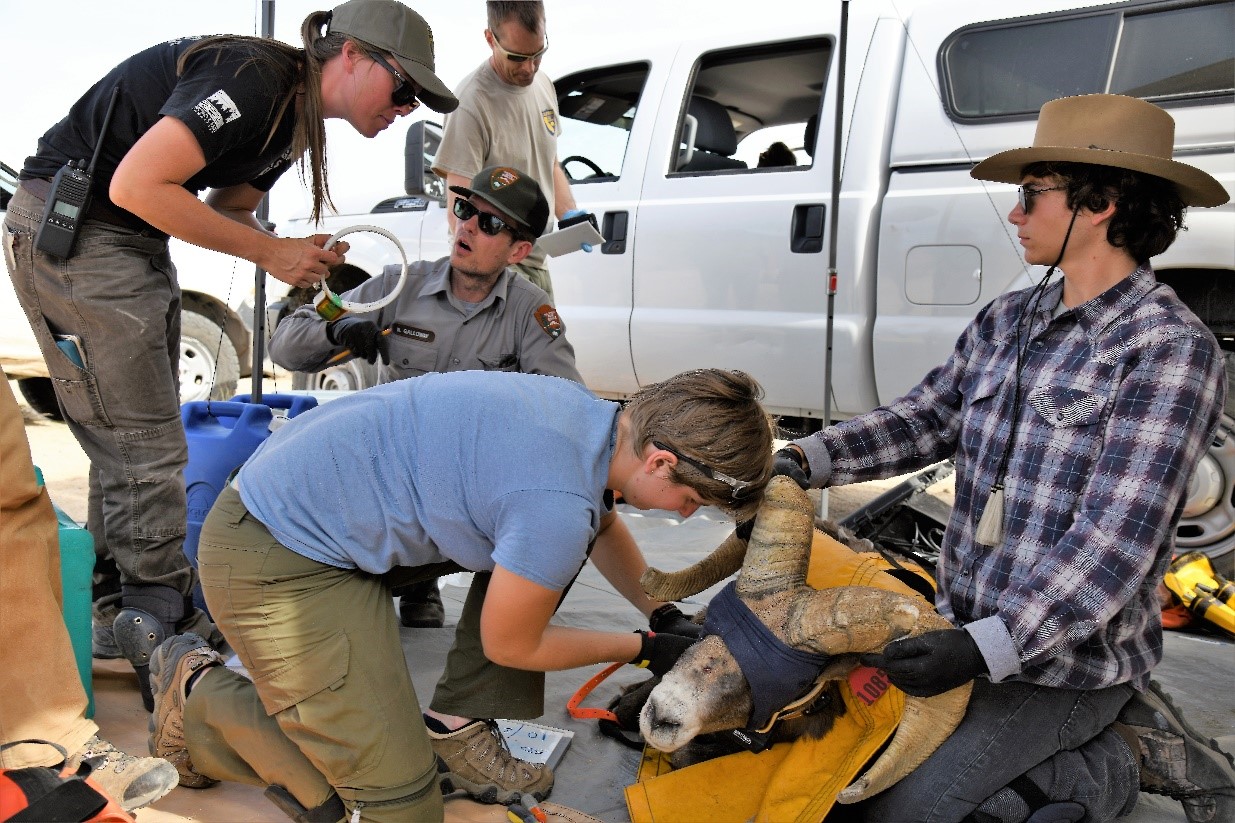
(221, 436)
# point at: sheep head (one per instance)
(706, 690)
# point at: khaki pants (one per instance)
(331, 703)
(41, 694)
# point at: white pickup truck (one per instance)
(710, 260)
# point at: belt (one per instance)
(101, 210)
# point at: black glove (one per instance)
(931, 663)
(660, 651)
(668, 619)
(789, 463)
(364, 338)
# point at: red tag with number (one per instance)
(868, 684)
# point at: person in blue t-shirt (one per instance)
(505, 473)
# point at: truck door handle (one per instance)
(806, 228)
(613, 229)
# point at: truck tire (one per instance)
(40, 396)
(353, 375)
(209, 367)
(1208, 522)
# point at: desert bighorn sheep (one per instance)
(706, 690)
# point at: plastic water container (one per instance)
(221, 436)
(76, 583)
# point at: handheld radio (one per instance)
(68, 201)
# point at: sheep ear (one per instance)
(779, 551)
(724, 561)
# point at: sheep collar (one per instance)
(777, 673)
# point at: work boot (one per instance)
(1178, 762)
(133, 782)
(176, 660)
(475, 759)
(420, 606)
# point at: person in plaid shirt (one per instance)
(1075, 412)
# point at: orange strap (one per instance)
(572, 705)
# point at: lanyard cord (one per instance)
(990, 526)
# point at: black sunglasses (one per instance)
(404, 94)
(487, 222)
(1026, 194)
(739, 489)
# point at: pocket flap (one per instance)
(1064, 407)
(322, 667)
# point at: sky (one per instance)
(55, 49)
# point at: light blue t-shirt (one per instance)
(481, 468)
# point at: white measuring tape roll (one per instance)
(347, 305)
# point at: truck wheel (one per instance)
(1208, 522)
(40, 396)
(209, 367)
(350, 376)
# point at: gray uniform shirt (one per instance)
(513, 329)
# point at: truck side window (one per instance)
(1003, 70)
(598, 109)
(744, 100)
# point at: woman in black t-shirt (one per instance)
(223, 115)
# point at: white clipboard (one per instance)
(557, 243)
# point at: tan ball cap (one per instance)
(391, 26)
(1107, 130)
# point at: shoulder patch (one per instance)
(217, 110)
(548, 318)
(550, 120)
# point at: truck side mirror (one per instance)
(419, 151)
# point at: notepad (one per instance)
(535, 743)
(557, 243)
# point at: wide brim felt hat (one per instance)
(513, 193)
(391, 26)
(1106, 130)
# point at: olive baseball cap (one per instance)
(391, 26)
(513, 193)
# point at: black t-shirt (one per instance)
(228, 99)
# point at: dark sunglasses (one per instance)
(404, 93)
(1026, 194)
(514, 56)
(739, 489)
(487, 222)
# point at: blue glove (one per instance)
(574, 216)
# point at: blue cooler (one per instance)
(221, 436)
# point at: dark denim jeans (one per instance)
(118, 294)
(1059, 738)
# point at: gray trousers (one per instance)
(118, 294)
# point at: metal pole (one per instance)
(835, 216)
(259, 286)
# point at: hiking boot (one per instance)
(103, 642)
(420, 606)
(1178, 762)
(475, 759)
(176, 660)
(133, 782)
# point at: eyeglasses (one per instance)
(515, 57)
(487, 222)
(404, 94)
(1026, 194)
(739, 489)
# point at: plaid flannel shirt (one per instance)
(1120, 398)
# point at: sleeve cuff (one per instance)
(996, 646)
(818, 459)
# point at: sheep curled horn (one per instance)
(706, 692)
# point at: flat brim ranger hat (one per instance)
(1106, 130)
(391, 26)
